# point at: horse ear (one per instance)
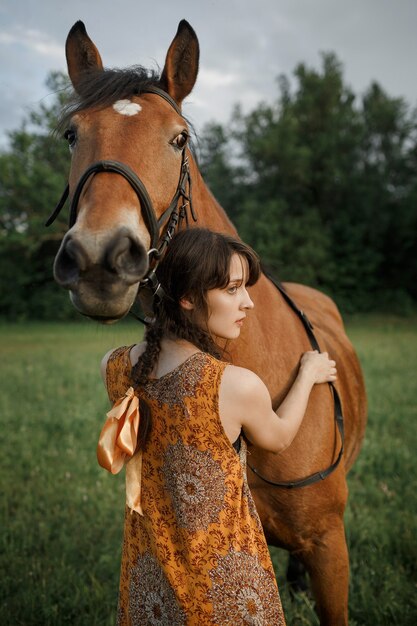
(181, 63)
(82, 55)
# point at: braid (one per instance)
(140, 374)
(147, 360)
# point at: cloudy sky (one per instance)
(245, 44)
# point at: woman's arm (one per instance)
(246, 399)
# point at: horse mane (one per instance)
(100, 88)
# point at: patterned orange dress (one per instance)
(198, 554)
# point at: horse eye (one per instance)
(71, 136)
(181, 139)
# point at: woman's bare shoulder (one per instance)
(241, 381)
(243, 397)
(137, 350)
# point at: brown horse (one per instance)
(131, 120)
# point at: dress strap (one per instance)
(118, 372)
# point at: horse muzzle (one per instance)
(102, 276)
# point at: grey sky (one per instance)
(245, 45)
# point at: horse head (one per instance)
(129, 170)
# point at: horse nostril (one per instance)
(77, 254)
(127, 258)
(69, 262)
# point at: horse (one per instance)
(133, 181)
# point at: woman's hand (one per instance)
(317, 367)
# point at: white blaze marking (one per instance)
(127, 107)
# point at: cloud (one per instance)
(33, 41)
(213, 79)
(245, 45)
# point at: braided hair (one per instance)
(197, 260)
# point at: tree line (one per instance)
(321, 182)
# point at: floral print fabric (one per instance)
(198, 554)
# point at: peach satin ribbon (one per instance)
(117, 444)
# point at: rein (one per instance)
(338, 414)
(172, 216)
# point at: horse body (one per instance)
(104, 255)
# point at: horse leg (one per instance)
(296, 575)
(327, 563)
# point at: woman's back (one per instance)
(199, 544)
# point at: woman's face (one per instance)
(227, 307)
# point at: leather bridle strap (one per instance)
(134, 181)
(338, 414)
(59, 206)
(160, 92)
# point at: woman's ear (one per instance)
(186, 304)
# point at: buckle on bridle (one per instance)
(152, 283)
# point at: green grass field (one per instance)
(62, 515)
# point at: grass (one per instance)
(62, 515)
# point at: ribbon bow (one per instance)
(117, 444)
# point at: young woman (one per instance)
(194, 550)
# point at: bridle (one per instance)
(172, 217)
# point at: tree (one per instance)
(215, 159)
(33, 174)
(326, 184)
(390, 166)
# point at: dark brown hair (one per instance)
(196, 261)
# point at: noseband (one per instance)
(172, 216)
